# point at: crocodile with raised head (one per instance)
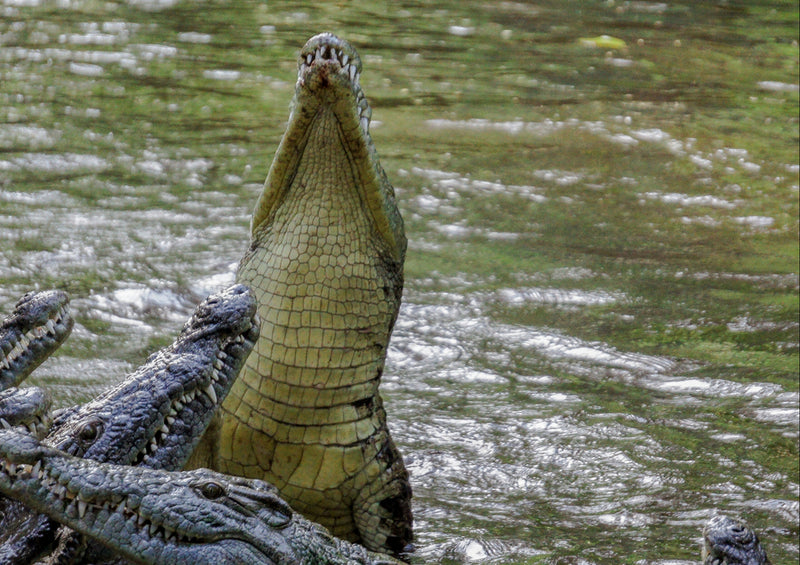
(156, 416)
(158, 517)
(325, 263)
(38, 326)
(731, 542)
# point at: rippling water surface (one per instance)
(598, 346)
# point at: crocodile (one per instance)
(155, 416)
(28, 407)
(325, 263)
(731, 542)
(38, 325)
(159, 517)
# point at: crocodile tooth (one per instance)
(140, 521)
(81, 508)
(164, 429)
(51, 326)
(365, 124)
(345, 58)
(4, 423)
(309, 58)
(352, 72)
(152, 529)
(209, 390)
(170, 419)
(36, 470)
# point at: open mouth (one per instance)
(28, 408)
(48, 330)
(327, 54)
(228, 361)
(77, 503)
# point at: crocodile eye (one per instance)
(90, 430)
(212, 490)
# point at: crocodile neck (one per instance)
(328, 298)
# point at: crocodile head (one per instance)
(328, 99)
(38, 325)
(28, 407)
(731, 542)
(148, 515)
(158, 413)
(169, 518)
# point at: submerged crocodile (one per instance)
(154, 418)
(731, 542)
(325, 263)
(38, 325)
(169, 518)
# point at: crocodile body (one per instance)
(158, 517)
(325, 263)
(731, 542)
(38, 325)
(155, 416)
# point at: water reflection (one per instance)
(599, 340)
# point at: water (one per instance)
(598, 346)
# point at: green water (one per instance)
(598, 346)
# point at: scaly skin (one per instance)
(156, 416)
(325, 263)
(169, 518)
(38, 325)
(731, 542)
(27, 407)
